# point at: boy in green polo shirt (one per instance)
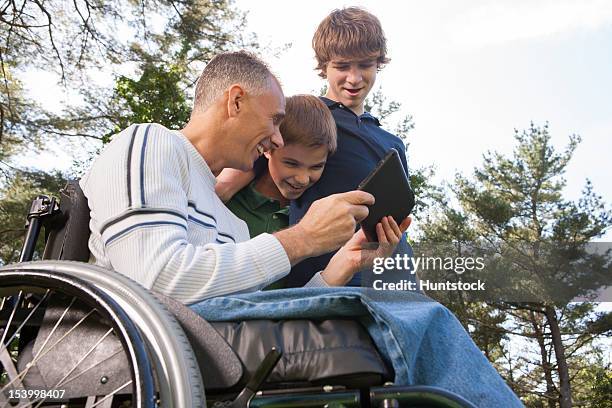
(309, 136)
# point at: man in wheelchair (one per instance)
(156, 220)
(155, 216)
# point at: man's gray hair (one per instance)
(230, 68)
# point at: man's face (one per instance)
(257, 129)
(350, 81)
(295, 168)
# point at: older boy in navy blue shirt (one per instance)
(350, 48)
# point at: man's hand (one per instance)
(327, 225)
(358, 253)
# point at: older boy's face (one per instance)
(350, 81)
(295, 168)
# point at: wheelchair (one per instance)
(77, 335)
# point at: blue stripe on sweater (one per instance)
(200, 222)
(142, 224)
(139, 211)
(192, 205)
(226, 236)
(142, 160)
(129, 167)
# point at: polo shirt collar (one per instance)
(333, 105)
(368, 115)
(257, 200)
(329, 102)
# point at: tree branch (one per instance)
(60, 133)
(55, 49)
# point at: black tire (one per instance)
(176, 374)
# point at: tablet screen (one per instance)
(393, 196)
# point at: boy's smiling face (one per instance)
(350, 80)
(295, 167)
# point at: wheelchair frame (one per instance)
(171, 365)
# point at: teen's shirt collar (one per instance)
(337, 105)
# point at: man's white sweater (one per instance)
(155, 217)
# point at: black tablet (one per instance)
(390, 187)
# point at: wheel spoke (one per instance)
(116, 390)
(55, 328)
(10, 319)
(97, 363)
(51, 310)
(4, 345)
(5, 357)
(41, 353)
(61, 381)
(11, 371)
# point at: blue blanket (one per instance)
(420, 338)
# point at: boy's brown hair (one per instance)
(308, 122)
(349, 32)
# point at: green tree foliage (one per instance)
(514, 205)
(15, 199)
(598, 387)
(447, 230)
(12, 112)
(60, 37)
(156, 97)
(77, 39)
(378, 106)
(535, 369)
(521, 197)
(153, 50)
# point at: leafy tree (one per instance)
(515, 205)
(447, 231)
(165, 43)
(155, 97)
(378, 106)
(11, 113)
(15, 200)
(77, 39)
(536, 368)
(598, 386)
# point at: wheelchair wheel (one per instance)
(92, 335)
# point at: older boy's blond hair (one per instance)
(350, 32)
(308, 122)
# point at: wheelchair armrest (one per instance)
(220, 366)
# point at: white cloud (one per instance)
(501, 22)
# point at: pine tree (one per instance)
(514, 206)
